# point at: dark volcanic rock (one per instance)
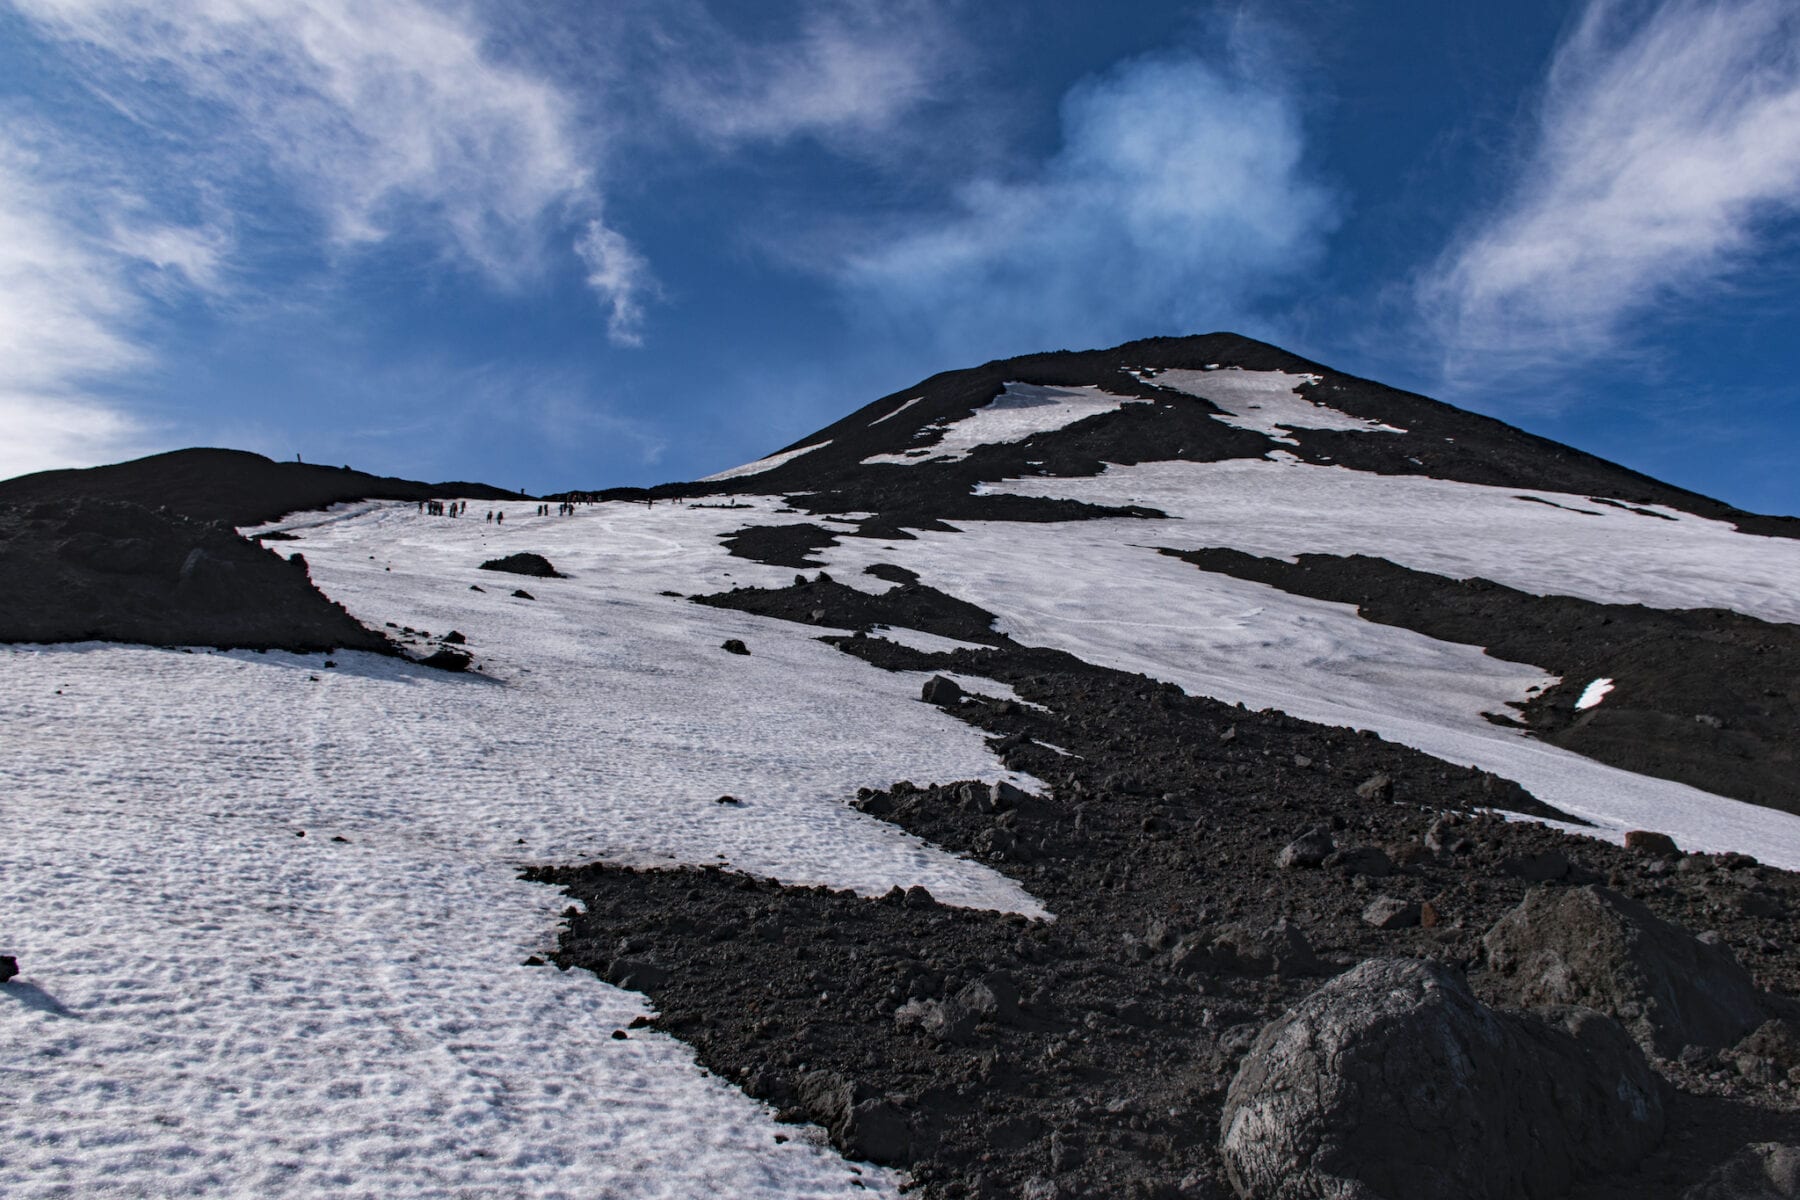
(230, 486)
(445, 659)
(941, 692)
(781, 545)
(1394, 1082)
(1764, 1171)
(115, 571)
(523, 563)
(1594, 947)
(1646, 842)
(1155, 842)
(1308, 850)
(9, 967)
(734, 646)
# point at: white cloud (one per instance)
(621, 276)
(387, 118)
(65, 311)
(1178, 199)
(846, 71)
(1667, 136)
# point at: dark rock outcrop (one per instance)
(230, 486)
(1594, 947)
(523, 563)
(1393, 1082)
(114, 571)
(1764, 1171)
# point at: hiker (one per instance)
(499, 518)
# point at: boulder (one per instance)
(9, 967)
(1763, 1171)
(445, 659)
(1594, 947)
(734, 646)
(944, 692)
(1361, 860)
(1646, 842)
(1308, 850)
(1391, 912)
(1393, 1082)
(1776, 1041)
(523, 563)
(993, 997)
(1376, 787)
(866, 1126)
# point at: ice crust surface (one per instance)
(1019, 412)
(212, 1005)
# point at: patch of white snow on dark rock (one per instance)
(1019, 412)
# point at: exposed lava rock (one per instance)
(1594, 947)
(114, 571)
(1764, 1171)
(231, 486)
(523, 563)
(910, 605)
(446, 659)
(1394, 1081)
(781, 545)
(9, 967)
(1707, 697)
(1178, 936)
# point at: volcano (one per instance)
(1175, 770)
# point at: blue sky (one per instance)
(581, 244)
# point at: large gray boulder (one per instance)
(1393, 1082)
(1593, 947)
(1764, 1171)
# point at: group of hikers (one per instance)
(566, 508)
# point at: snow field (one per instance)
(1019, 412)
(211, 1005)
(1284, 508)
(1101, 591)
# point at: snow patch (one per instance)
(765, 464)
(1019, 412)
(897, 411)
(1267, 402)
(1593, 694)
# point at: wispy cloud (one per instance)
(65, 311)
(622, 276)
(842, 72)
(388, 120)
(1178, 199)
(1668, 136)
